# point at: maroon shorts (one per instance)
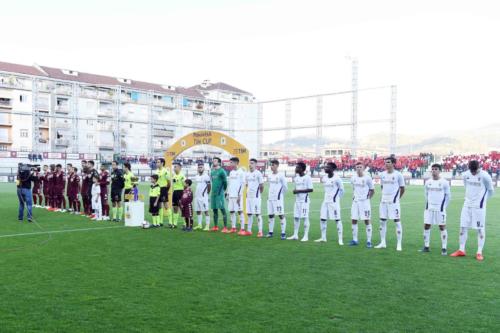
(187, 211)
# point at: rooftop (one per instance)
(103, 80)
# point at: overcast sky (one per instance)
(443, 55)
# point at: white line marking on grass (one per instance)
(58, 231)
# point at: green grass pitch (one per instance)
(67, 274)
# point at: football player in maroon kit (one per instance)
(84, 189)
(45, 186)
(50, 180)
(37, 188)
(60, 185)
(104, 182)
(73, 189)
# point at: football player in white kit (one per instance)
(201, 206)
(393, 188)
(478, 189)
(437, 197)
(363, 190)
(255, 186)
(303, 186)
(235, 195)
(275, 201)
(330, 208)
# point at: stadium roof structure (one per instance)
(220, 86)
(95, 79)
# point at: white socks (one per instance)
(481, 236)
(233, 220)
(383, 231)
(283, 225)
(207, 220)
(355, 232)
(399, 232)
(306, 228)
(463, 238)
(271, 224)
(340, 231)
(427, 237)
(296, 225)
(369, 233)
(444, 239)
(200, 219)
(250, 223)
(242, 220)
(323, 224)
(259, 222)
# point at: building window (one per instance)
(23, 98)
(23, 149)
(130, 125)
(3, 148)
(23, 133)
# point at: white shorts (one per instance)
(201, 205)
(434, 217)
(253, 206)
(390, 210)
(301, 210)
(474, 218)
(330, 211)
(233, 206)
(361, 210)
(275, 207)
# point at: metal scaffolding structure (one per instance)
(319, 124)
(394, 109)
(288, 125)
(354, 109)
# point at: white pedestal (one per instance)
(134, 213)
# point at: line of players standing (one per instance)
(83, 191)
(477, 183)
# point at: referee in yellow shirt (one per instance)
(164, 183)
(178, 179)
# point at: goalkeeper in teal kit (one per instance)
(217, 194)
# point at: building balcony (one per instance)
(105, 145)
(105, 127)
(164, 121)
(160, 147)
(44, 106)
(106, 112)
(164, 103)
(12, 82)
(5, 141)
(62, 124)
(5, 103)
(62, 108)
(45, 87)
(88, 93)
(61, 142)
(163, 133)
(5, 121)
(63, 90)
(106, 95)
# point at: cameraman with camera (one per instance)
(25, 176)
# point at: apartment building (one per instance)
(45, 109)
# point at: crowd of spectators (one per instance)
(456, 164)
